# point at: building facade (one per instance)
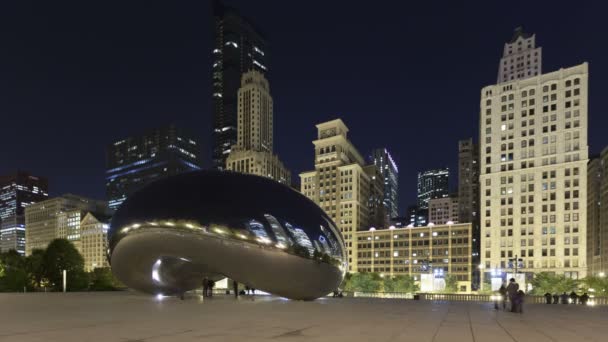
(533, 179)
(418, 217)
(520, 58)
(239, 47)
(384, 162)
(59, 217)
(17, 192)
(94, 240)
(136, 161)
(253, 152)
(432, 184)
(342, 184)
(468, 181)
(417, 251)
(597, 215)
(444, 210)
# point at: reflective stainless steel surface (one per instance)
(169, 236)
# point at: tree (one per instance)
(451, 283)
(14, 277)
(400, 283)
(544, 282)
(102, 279)
(364, 282)
(62, 255)
(595, 285)
(33, 266)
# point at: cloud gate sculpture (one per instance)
(169, 236)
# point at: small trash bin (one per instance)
(416, 297)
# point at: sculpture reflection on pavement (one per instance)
(169, 236)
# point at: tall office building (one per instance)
(468, 181)
(17, 192)
(253, 152)
(239, 47)
(94, 240)
(342, 184)
(597, 215)
(432, 184)
(418, 217)
(135, 161)
(468, 196)
(59, 217)
(520, 58)
(534, 153)
(388, 168)
(444, 210)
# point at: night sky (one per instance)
(75, 76)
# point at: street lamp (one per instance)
(372, 230)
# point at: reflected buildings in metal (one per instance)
(172, 234)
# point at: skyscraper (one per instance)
(135, 161)
(533, 168)
(239, 47)
(432, 184)
(342, 185)
(18, 191)
(468, 196)
(520, 58)
(388, 168)
(253, 152)
(597, 215)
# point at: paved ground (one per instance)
(130, 317)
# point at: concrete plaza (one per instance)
(131, 317)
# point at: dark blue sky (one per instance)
(75, 76)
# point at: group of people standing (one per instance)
(516, 296)
(573, 298)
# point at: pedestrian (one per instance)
(235, 286)
(573, 297)
(512, 289)
(564, 298)
(211, 285)
(503, 296)
(519, 301)
(555, 298)
(252, 291)
(247, 289)
(548, 297)
(584, 298)
(205, 286)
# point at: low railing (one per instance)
(458, 297)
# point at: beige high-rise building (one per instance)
(253, 153)
(534, 153)
(443, 210)
(347, 189)
(58, 217)
(94, 240)
(520, 58)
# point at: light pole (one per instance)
(65, 283)
(481, 274)
(372, 229)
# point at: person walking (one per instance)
(519, 301)
(548, 297)
(503, 295)
(555, 298)
(584, 298)
(564, 298)
(205, 286)
(573, 297)
(235, 287)
(512, 289)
